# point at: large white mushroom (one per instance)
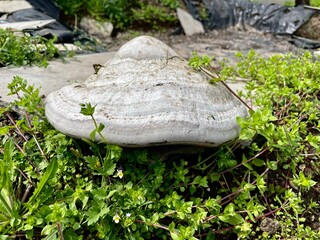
(147, 95)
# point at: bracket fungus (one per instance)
(147, 95)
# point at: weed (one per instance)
(25, 50)
(124, 14)
(53, 186)
(155, 16)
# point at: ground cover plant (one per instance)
(123, 14)
(154, 14)
(24, 49)
(263, 186)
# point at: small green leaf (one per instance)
(192, 189)
(93, 162)
(87, 109)
(258, 162)
(93, 135)
(100, 128)
(210, 236)
(232, 219)
(245, 163)
(174, 236)
(273, 165)
(50, 172)
(5, 130)
(201, 181)
(50, 231)
(108, 167)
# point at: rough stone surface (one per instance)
(12, 6)
(96, 28)
(190, 25)
(26, 24)
(148, 95)
(55, 76)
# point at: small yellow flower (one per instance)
(97, 165)
(116, 218)
(120, 173)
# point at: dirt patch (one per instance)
(311, 29)
(222, 44)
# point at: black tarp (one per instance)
(271, 18)
(44, 10)
(46, 6)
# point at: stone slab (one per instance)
(12, 6)
(64, 47)
(100, 29)
(26, 25)
(55, 76)
(190, 25)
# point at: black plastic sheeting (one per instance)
(46, 6)
(62, 32)
(271, 18)
(44, 10)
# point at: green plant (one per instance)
(119, 12)
(289, 3)
(153, 16)
(262, 187)
(25, 50)
(156, 15)
(315, 3)
(71, 7)
(124, 14)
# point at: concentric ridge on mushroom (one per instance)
(147, 95)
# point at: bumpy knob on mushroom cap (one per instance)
(147, 95)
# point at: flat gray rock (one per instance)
(55, 76)
(26, 24)
(96, 28)
(190, 25)
(12, 6)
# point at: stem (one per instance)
(16, 126)
(60, 231)
(96, 127)
(25, 195)
(34, 137)
(257, 218)
(250, 159)
(24, 137)
(206, 71)
(153, 224)
(24, 154)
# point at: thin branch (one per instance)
(26, 193)
(34, 137)
(153, 224)
(250, 159)
(60, 231)
(206, 71)
(16, 126)
(23, 152)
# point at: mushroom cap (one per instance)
(147, 95)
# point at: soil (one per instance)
(311, 29)
(222, 44)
